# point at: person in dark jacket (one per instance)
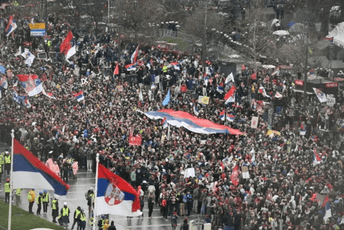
(112, 226)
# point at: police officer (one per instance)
(39, 203)
(65, 212)
(55, 209)
(7, 159)
(7, 188)
(18, 193)
(2, 161)
(45, 200)
(82, 220)
(101, 222)
(76, 216)
(31, 198)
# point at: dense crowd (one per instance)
(282, 180)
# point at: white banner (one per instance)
(189, 172)
(254, 122)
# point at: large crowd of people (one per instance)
(291, 174)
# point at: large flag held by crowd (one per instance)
(192, 123)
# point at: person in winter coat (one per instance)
(150, 205)
(174, 220)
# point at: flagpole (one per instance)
(95, 195)
(11, 184)
(168, 132)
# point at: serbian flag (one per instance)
(11, 26)
(229, 117)
(29, 172)
(316, 158)
(131, 67)
(3, 83)
(192, 123)
(115, 196)
(79, 96)
(235, 176)
(65, 45)
(134, 55)
(327, 209)
(175, 65)
(321, 95)
(230, 95)
(31, 84)
(116, 71)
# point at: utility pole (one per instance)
(204, 46)
(306, 74)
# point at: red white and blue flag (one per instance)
(327, 209)
(175, 65)
(229, 117)
(11, 26)
(134, 55)
(30, 172)
(48, 94)
(316, 158)
(3, 83)
(31, 84)
(115, 196)
(192, 123)
(230, 95)
(79, 96)
(67, 47)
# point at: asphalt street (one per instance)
(76, 197)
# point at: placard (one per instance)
(203, 100)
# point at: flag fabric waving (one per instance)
(229, 117)
(321, 96)
(11, 26)
(31, 84)
(316, 158)
(229, 78)
(167, 98)
(116, 71)
(79, 96)
(29, 57)
(3, 83)
(134, 55)
(235, 176)
(195, 109)
(327, 211)
(30, 172)
(115, 196)
(50, 95)
(65, 45)
(192, 123)
(230, 95)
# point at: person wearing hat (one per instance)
(39, 203)
(55, 209)
(82, 220)
(65, 212)
(185, 225)
(45, 200)
(76, 216)
(174, 220)
(7, 159)
(7, 187)
(31, 196)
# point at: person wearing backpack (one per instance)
(164, 208)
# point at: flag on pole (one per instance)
(79, 96)
(50, 95)
(327, 211)
(230, 95)
(115, 196)
(235, 176)
(29, 57)
(30, 172)
(229, 117)
(321, 96)
(167, 98)
(230, 78)
(316, 158)
(116, 71)
(65, 45)
(134, 55)
(11, 26)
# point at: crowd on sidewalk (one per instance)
(249, 181)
